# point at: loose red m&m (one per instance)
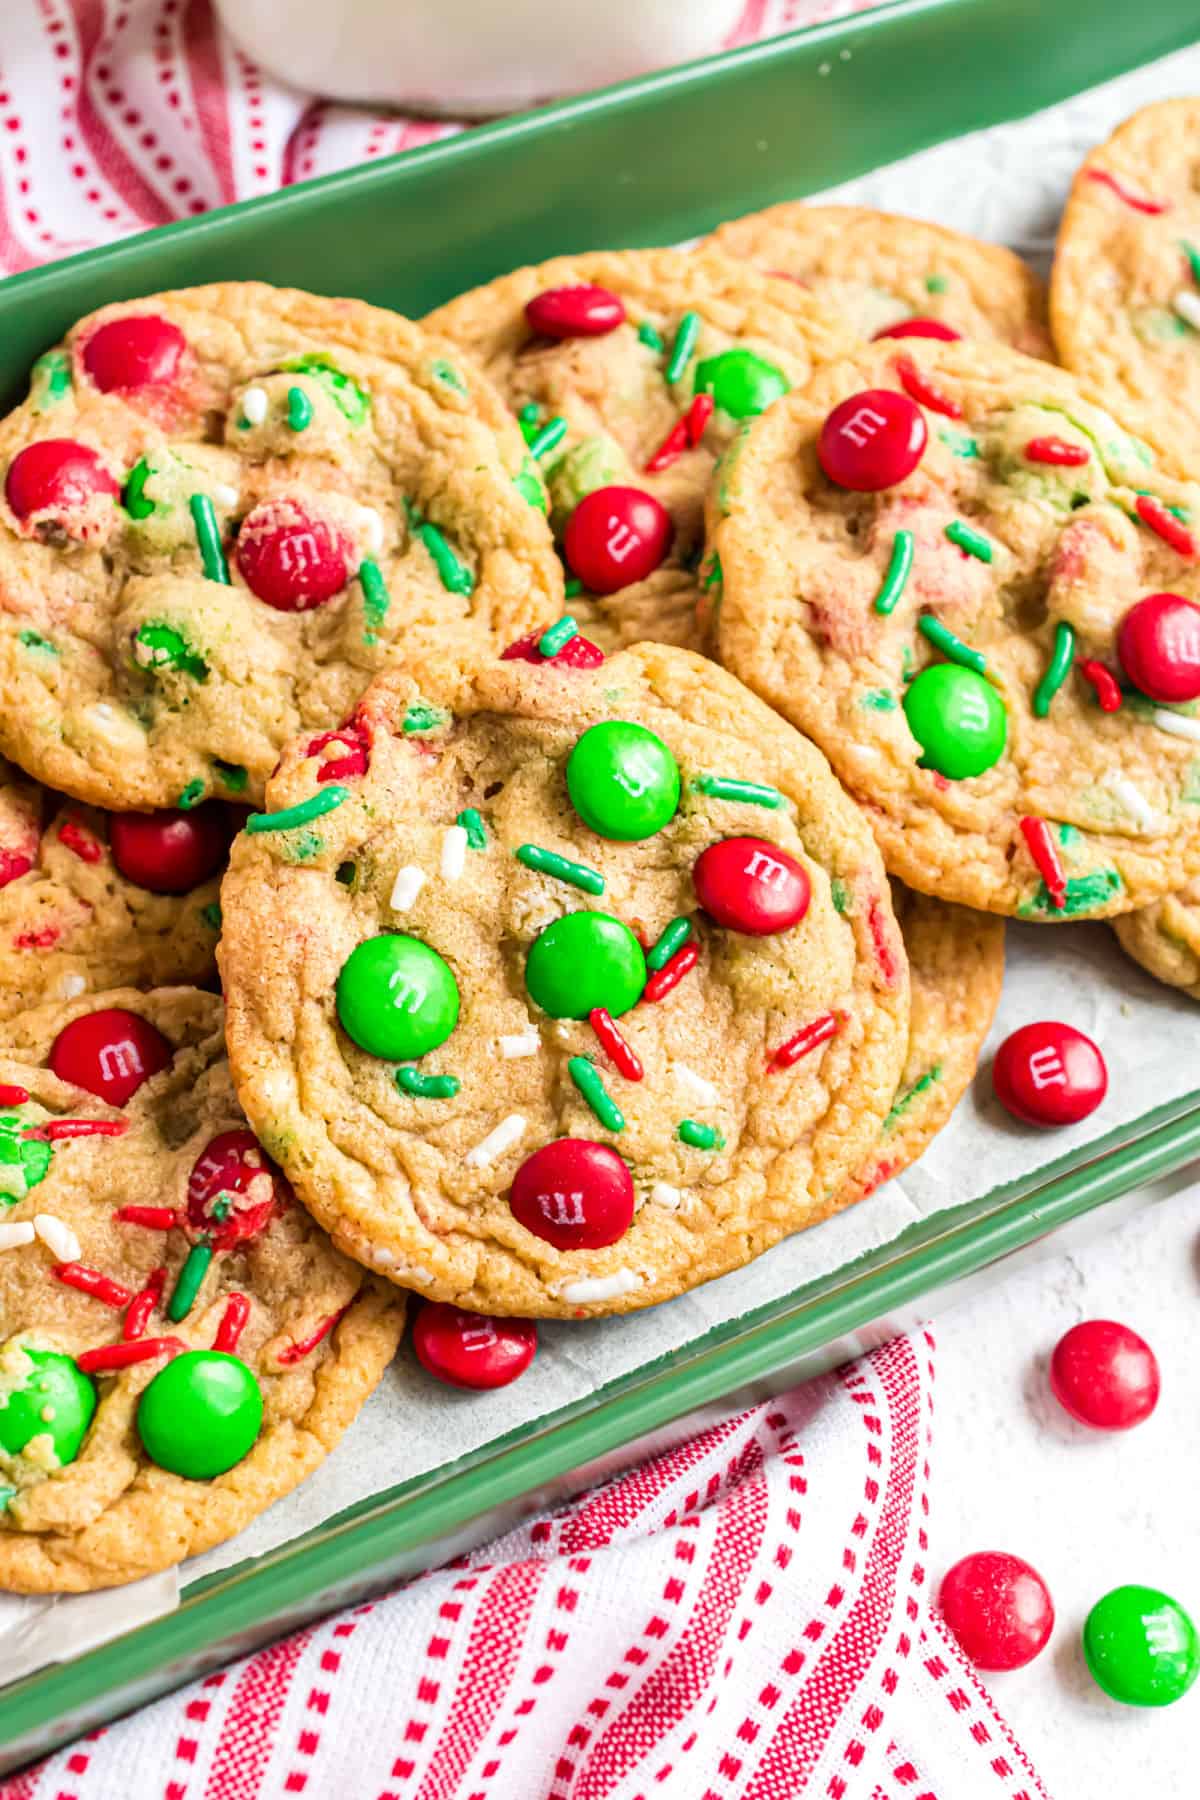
(56, 476)
(169, 852)
(137, 351)
(615, 536)
(472, 1350)
(1105, 1375)
(998, 1608)
(920, 328)
(1158, 643)
(1049, 1074)
(576, 1194)
(232, 1166)
(583, 311)
(872, 440)
(110, 1053)
(751, 885)
(290, 559)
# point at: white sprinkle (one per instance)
(13, 1236)
(71, 986)
(58, 1238)
(696, 1084)
(372, 528)
(13, 1185)
(454, 852)
(254, 405)
(1133, 800)
(496, 1142)
(1187, 305)
(1178, 724)
(519, 1043)
(406, 887)
(598, 1287)
(224, 495)
(663, 1194)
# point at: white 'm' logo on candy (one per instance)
(563, 1209)
(479, 1337)
(863, 425)
(119, 1061)
(765, 869)
(1047, 1070)
(622, 540)
(405, 997)
(297, 551)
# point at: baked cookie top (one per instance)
(1165, 938)
(92, 900)
(944, 564)
(222, 511)
(629, 371)
(589, 989)
(181, 1344)
(1125, 287)
(879, 271)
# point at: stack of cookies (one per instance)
(597, 736)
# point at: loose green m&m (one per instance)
(397, 997)
(741, 382)
(1141, 1647)
(582, 961)
(623, 780)
(958, 719)
(200, 1414)
(52, 1398)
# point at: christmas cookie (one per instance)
(1165, 938)
(97, 900)
(973, 589)
(896, 277)
(1125, 288)
(180, 1343)
(628, 372)
(222, 510)
(590, 989)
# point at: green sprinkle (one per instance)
(669, 940)
(133, 498)
(715, 574)
(1068, 834)
(528, 416)
(345, 873)
(839, 892)
(230, 775)
(303, 847)
(447, 374)
(959, 443)
(162, 647)
(1189, 250)
(326, 800)
(427, 1087)
(352, 401)
(1084, 894)
(209, 537)
(950, 645)
(587, 1079)
(681, 349)
(878, 700)
(555, 636)
(530, 487)
(420, 717)
(33, 640)
(211, 914)
(472, 823)
(7, 1493)
(903, 1101)
(51, 374)
(548, 438)
(221, 1208)
(454, 574)
(549, 862)
(376, 598)
(896, 575)
(648, 336)
(700, 1137)
(1057, 669)
(726, 787)
(299, 410)
(192, 795)
(191, 1278)
(973, 542)
(936, 284)
(572, 588)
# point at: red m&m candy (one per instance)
(55, 476)
(872, 440)
(233, 1167)
(472, 1350)
(1105, 1375)
(290, 559)
(998, 1608)
(110, 1053)
(1159, 646)
(137, 351)
(583, 311)
(751, 885)
(1049, 1074)
(920, 328)
(169, 852)
(576, 1194)
(615, 536)
(577, 653)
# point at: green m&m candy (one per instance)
(397, 997)
(51, 1397)
(958, 719)
(741, 382)
(1141, 1647)
(585, 960)
(201, 1414)
(623, 780)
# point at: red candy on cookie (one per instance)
(289, 559)
(577, 653)
(138, 351)
(998, 1608)
(55, 476)
(583, 311)
(110, 1053)
(616, 536)
(1105, 1375)
(472, 1350)
(749, 884)
(232, 1164)
(872, 440)
(921, 328)
(574, 1193)
(1049, 1074)
(1159, 646)
(169, 852)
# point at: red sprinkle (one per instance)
(12, 864)
(698, 415)
(919, 388)
(622, 1054)
(91, 1281)
(1153, 513)
(297, 1352)
(58, 1129)
(233, 1322)
(340, 768)
(817, 1031)
(1044, 852)
(1108, 693)
(155, 1218)
(123, 1356)
(142, 1305)
(884, 949)
(1138, 202)
(1058, 451)
(12, 1095)
(671, 973)
(75, 838)
(37, 940)
(671, 448)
